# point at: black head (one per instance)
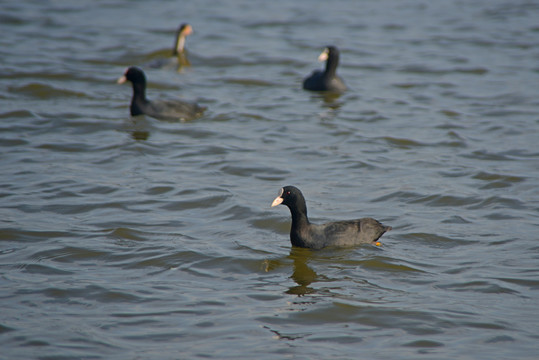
(330, 55)
(134, 75)
(332, 50)
(289, 196)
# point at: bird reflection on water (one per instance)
(302, 273)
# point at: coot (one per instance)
(164, 110)
(338, 233)
(326, 80)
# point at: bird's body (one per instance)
(319, 81)
(338, 233)
(326, 80)
(167, 109)
(160, 109)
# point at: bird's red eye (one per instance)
(288, 193)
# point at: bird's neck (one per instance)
(299, 216)
(331, 65)
(139, 97)
(300, 223)
(139, 91)
(180, 44)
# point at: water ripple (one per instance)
(130, 237)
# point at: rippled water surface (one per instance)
(133, 238)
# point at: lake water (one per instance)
(133, 238)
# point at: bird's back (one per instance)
(314, 82)
(320, 81)
(336, 84)
(346, 233)
(174, 110)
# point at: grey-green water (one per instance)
(127, 238)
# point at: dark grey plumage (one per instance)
(338, 233)
(164, 110)
(326, 80)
